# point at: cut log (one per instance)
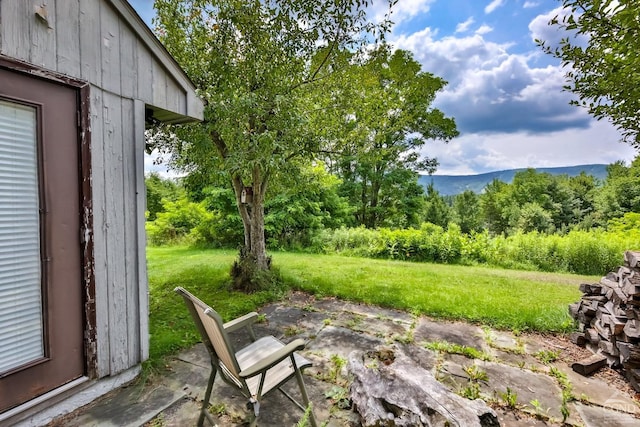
(591, 289)
(615, 309)
(609, 349)
(574, 309)
(578, 339)
(608, 283)
(629, 353)
(604, 331)
(632, 328)
(632, 258)
(590, 364)
(403, 393)
(592, 336)
(616, 326)
(618, 297)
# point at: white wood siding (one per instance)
(95, 40)
(105, 43)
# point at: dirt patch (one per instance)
(570, 353)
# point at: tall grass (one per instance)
(580, 252)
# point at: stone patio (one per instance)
(334, 329)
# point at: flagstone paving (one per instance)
(334, 329)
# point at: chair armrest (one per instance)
(273, 359)
(241, 322)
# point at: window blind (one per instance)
(21, 324)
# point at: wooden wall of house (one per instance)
(93, 41)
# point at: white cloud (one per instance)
(540, 29)
(402, 11)
(493, 6)
(530, 4)
(484, 29)
(475, 153)
(464, 26)
(492, 90)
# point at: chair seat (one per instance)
(277, 375)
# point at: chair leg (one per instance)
(305, 398)
(207, 395)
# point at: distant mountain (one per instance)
(449, 185)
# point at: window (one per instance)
(21, 319)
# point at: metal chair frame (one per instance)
(259, 368)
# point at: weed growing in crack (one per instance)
(547, 356)
(510, 398)
(450, 348)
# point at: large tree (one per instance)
(386, 118)
(254, 63)
(603, 71)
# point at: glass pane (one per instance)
(21, 325)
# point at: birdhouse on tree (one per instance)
(247, 195)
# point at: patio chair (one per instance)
(257, 369)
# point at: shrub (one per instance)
(174, 225)
(582, 252)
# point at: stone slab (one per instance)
(598, 392)
(594, 416)
(525, 384)
(453, 332)
(132, 406)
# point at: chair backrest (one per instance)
(210, 326)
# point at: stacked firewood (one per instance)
(608, 316)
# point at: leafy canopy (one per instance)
(604, 72)
(252, 62)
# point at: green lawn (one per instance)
(510, 299)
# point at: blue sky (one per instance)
(505, 94)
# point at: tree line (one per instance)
(315, 200)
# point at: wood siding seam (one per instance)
(115, 243)
(43, 36)
(141, 201)
(90, 42)
(130, 236)
(99, 232)
(68, 38)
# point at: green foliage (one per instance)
(386, 116)
(159, 189)
(466, 212)
(547, 356)
(628, 223)
(452, 348)
(224, 227)
(600, 54)
(510, 398)
(339, 396)
(176, 222)
(620, 194)
(595, 252)
(436, 210)
(298, 211)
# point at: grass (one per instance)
(204, 273)
(510, 299)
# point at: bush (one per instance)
(582, 252)
(174, 225)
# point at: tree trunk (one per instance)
(258, 245)
(253, 257)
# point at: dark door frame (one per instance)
(86, 203)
